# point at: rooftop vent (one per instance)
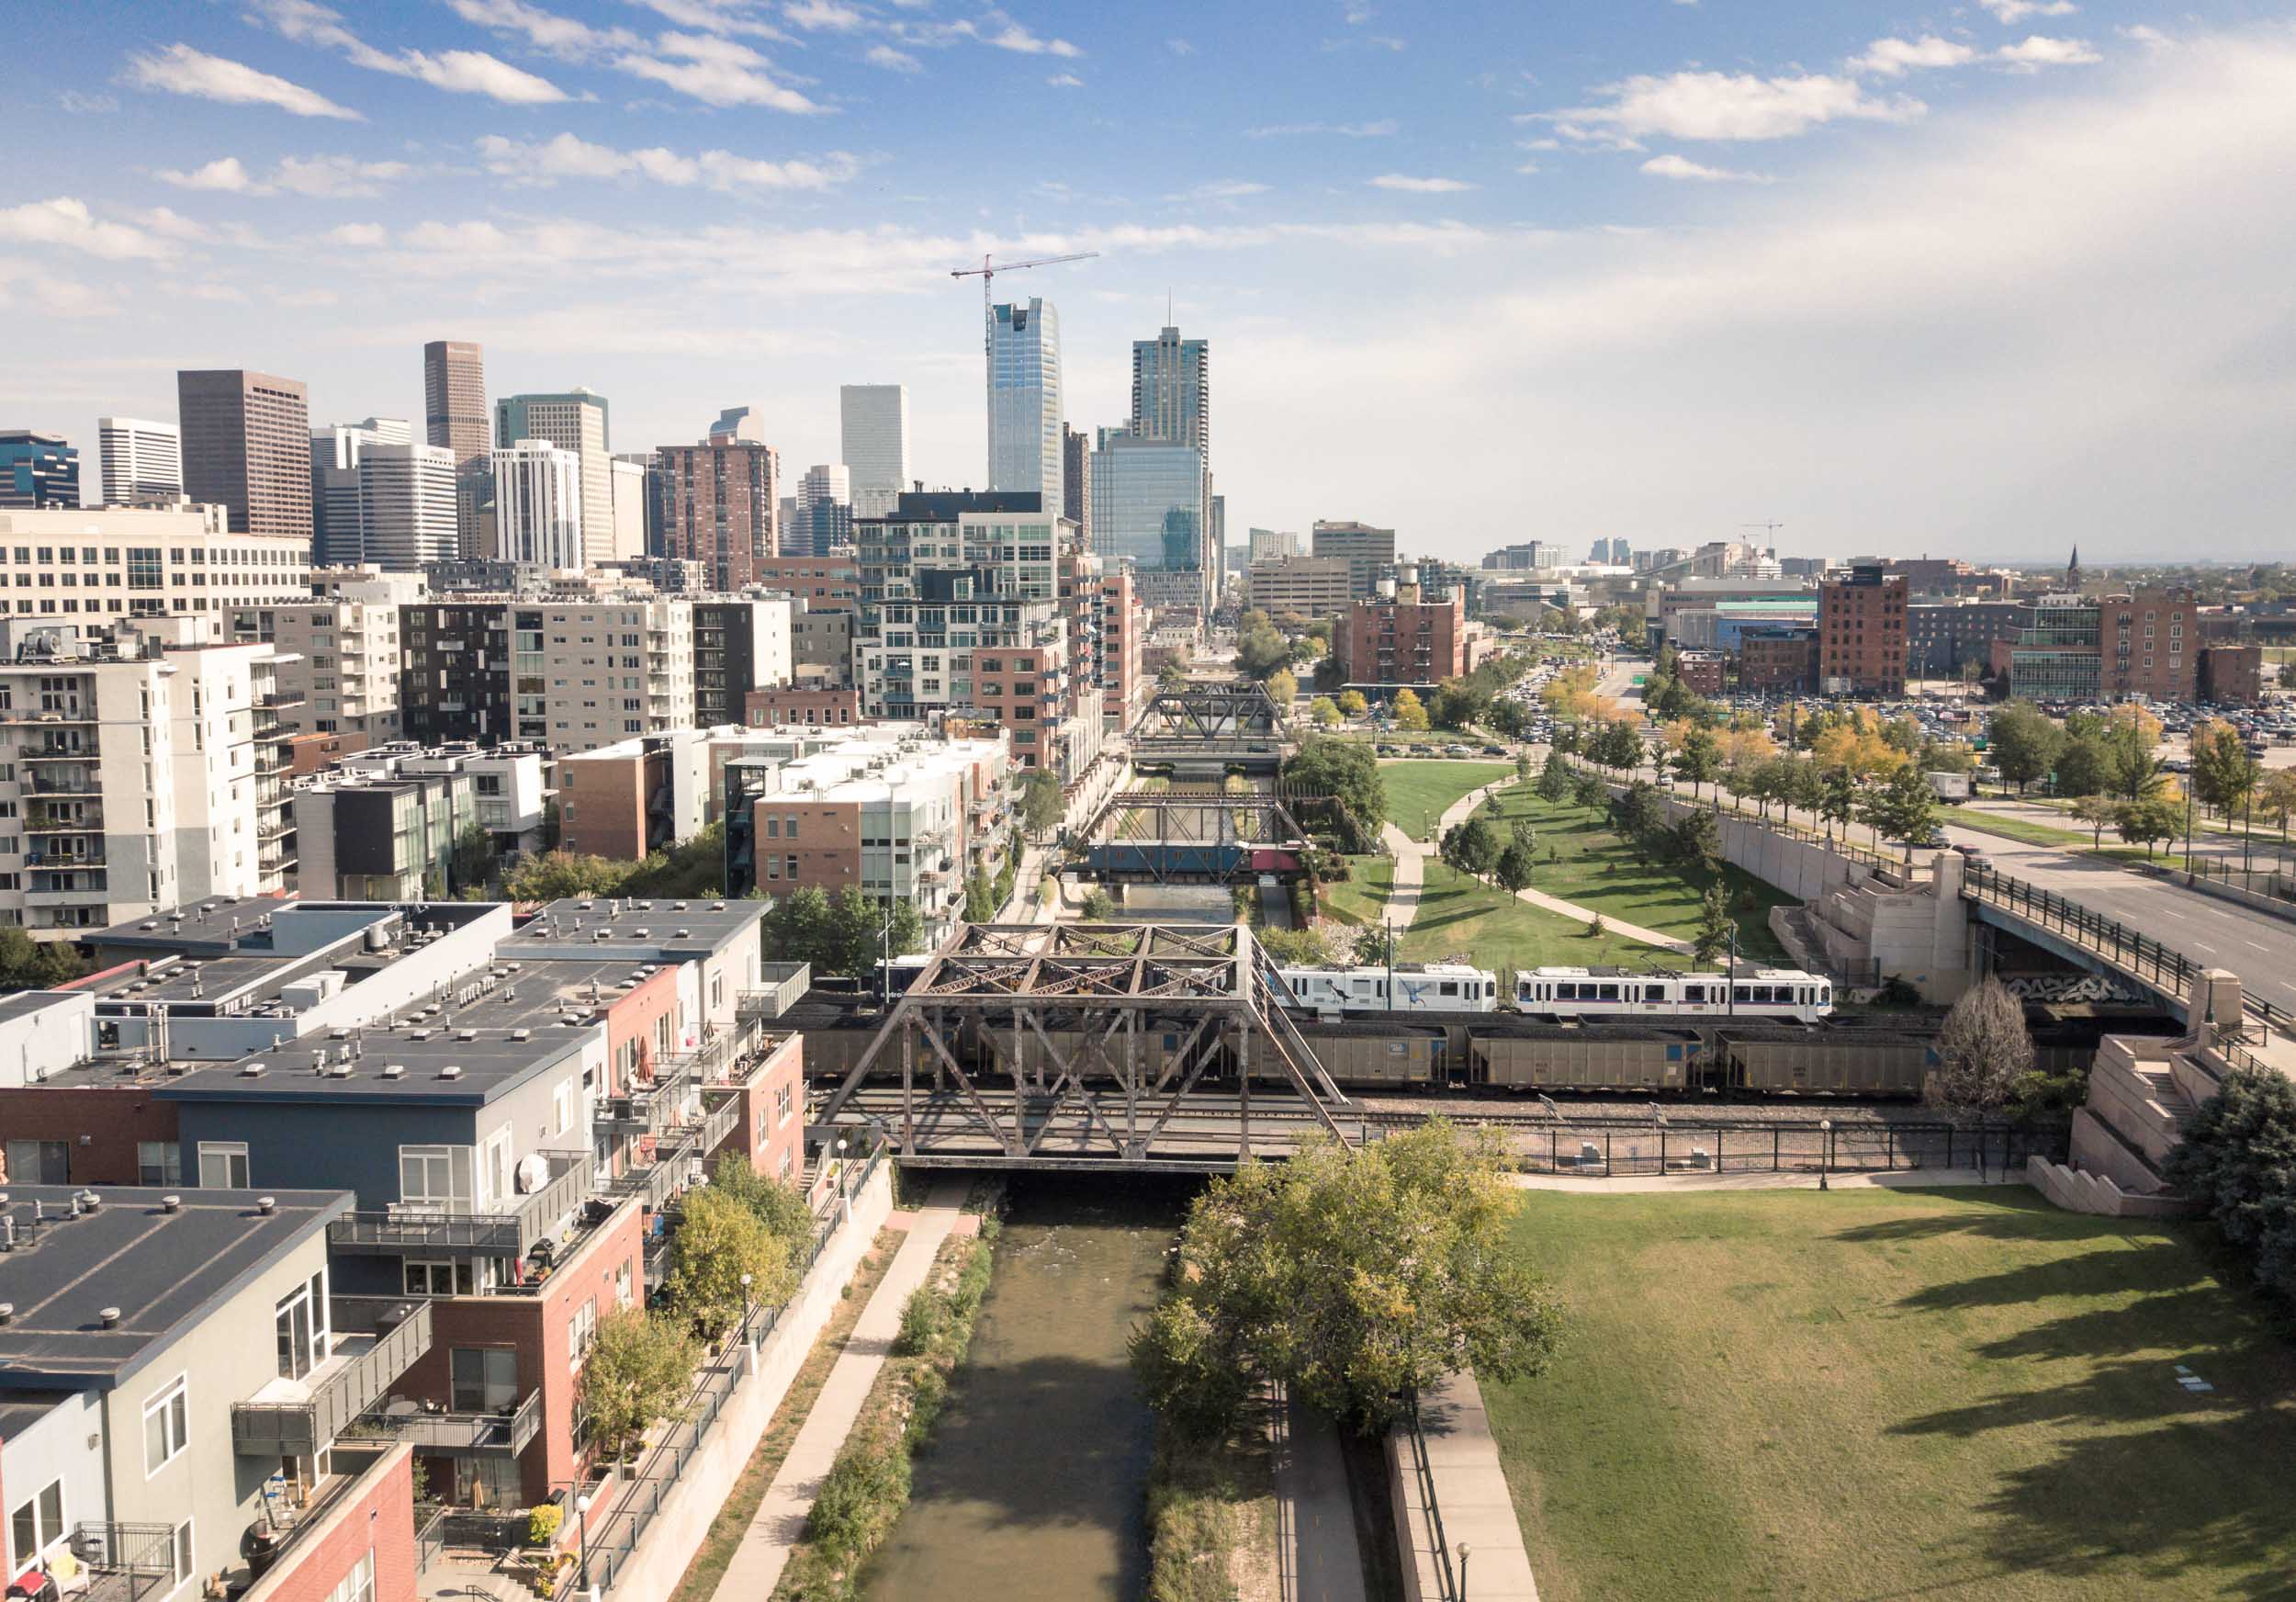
(171, 1202)
(7, 1312)
(685, 934)
(718, 906)
(522, 1034)
(266, 1205)
(466, 1034)
(394, 1070)
(339, 1071)
(108, 1317)
(422, 1034)
(253, 1070)
(451, 1071)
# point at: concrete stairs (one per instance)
(2076, 1190)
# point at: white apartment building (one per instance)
(407, 512)
(875, 444)
(538, 502)
(613, 668)
(138, 773)
(629, 508)
(142, 461)
(341, 651)
(574, 421)
(339, 527)
(508, 782)
(103, 565)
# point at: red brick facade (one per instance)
(1861, 633)
(1786, 659)
(827, 583)
(1403, 641)
(729, 485)
(100, 1126)
(379, 1518)
(789, 707)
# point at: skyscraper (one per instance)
(1024, 399)
(247, 448)
(38, 470)
(824, 512)
(722, 506)
(407, 504)
(538, 510)
(455, 417)
(1148, 509)
(738, 422)
(339, 533)
(574, 421)
(1076, 482)
(1172, 390)
(143, 461)
(1370, 552)
(874, 438)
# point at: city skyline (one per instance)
(1903, 286)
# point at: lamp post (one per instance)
(844, 1191)
(1826, 1161)
(744, 1309)
(1464, 1550)
(581, 1505)
(2188, 830)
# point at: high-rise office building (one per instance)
(1172, 390)
(1076, 482)
(538, 493)
(824, 512)
(1148, 509)
(143, 461)
(1024, 401)
(338, 519)
(574, 421)
(1370, 552)
(874, 438)
(407, 501)
(722, 503)
(247, 448)
(38, 470)
(737, 422)
(455, 416)
(1266, 544)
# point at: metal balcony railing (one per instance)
(503, 1434)
(419, 1227)
(46, 783)
(652, 1108)
(381, 1338)
(125, 1562)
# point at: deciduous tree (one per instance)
(1409, 712)
(720, 1241)
(638, 1369)
(1983, 1050)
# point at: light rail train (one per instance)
(1592, 994)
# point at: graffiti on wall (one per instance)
(2065, 989)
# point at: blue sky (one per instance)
(1983, 280)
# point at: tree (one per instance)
(1521, 832)
(1409, 713)
(1637, 815)
(1323, 711)
(1699, 761)
(720, 1241)
(980, 897)
(1099, 907)
(1171, 676)
(2022, 742)
(1555, 779)
(2081, 766)
(1042, 806)
(2147, 821)
(1901, 807)
(1259, 650)
(1839, 804)
(1480, 846)
(1592, 793)
(1620, 746)
(1516, 864)
(778, 1205)
(471, 860)
(1282, 687)
(1983, 1050)
(1712, 937)
(637, 1371)
(2097, 811)
(1697, 843)
(1353, 1277)
(559, 876)
(30, 965)
(2238, 1160)
(2275, 797)
(1352, 703)
(2224, 774)
(1348, 771)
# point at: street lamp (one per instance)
(1464, 1550)
(744, 1309)
(582, 1506)
(844, 1191)
(1826, 1161)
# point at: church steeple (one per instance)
(2073, 572)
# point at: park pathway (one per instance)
(1316, 1556)
(780, 1523)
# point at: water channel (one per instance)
(1033, 1487)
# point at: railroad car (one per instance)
(1526, 1059)
(1181, 862)
(1419, 988)
(1606, 993)
(1375, 1056)
(1863, 1063)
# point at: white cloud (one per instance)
(2152, 39)
(2009, 11)
(319, 177)
(893, 61)
(1011, 35)
(825, 16)
(181, 70)
(362, 235)
(224, 173)
(717, 71)
(726, 17)
(1380, 128)
(1411, 185)
(81, 103)
(1682, 167)
(2036, 52)
(457, 72)
(546, 30)
(68, 222)
(1179, 47)
(566, 156)
(1723, 106)
(1221, 190)
(160, 219)
(1892, 57)
(1065, 81)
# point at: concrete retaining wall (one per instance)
(1472, 1508)
(654, 1569)
(2076, 1191)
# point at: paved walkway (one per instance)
(1899, 1179)
(1316, 1556)
(1470, 1494)
(780, 1523)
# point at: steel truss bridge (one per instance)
(1087, 1045)
(1195, 837)
(1200, 730)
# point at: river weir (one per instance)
(1032, 1485)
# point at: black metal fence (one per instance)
(1605, 1148)
(1422, 1477)
(2267, 879)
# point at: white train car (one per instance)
(1419, 988)
(1598, 993)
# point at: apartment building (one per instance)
(1861, 632)
(507, 783)
(143, 767)
(740, 644)
(886, 811)
(1943, 635)
(573, 422)
(825, 583)
(722, 506)
(382, 838)
(1310, 586)
(1368, 552)
(801, 706)
(2076, 647)
(1401, 639)
(66, 562)
(1123, 622)
(340, 652)
(1778, 657)
(960, 615)
(821, 648)
(178, 1379)
(575, 672)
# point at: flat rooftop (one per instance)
(161, 1270)
(666, 927)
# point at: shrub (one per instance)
(860, 1496)
(922, 1319)
(542, 1523)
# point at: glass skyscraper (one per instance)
(1172, 389)
(1024, 399)
(1148, 505)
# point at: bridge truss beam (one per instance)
(1213, 717)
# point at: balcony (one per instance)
(63, 859)
(377, 1338)
(649, 1109)
(63, 782)
(51, 717)
(422, 1228)
(37, 894)
(274, 700)
(467, 1435)
(70, 818)
(125, 1562)
(60, 750)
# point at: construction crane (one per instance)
(988, 269)
(1771, 528)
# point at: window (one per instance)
(438, 1175)
(40, 1162)
(299, 1327)
(581, 1333)
(358, 1585)
(484, 1379)
(157, 1162)
(223, 1165)
(35, 1521)
(428, 1278)
(784, 1103)
(622, 1281)
(183, 1552)
(562, 1106)
(166, 1427)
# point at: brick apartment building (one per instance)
(1391, 642)
(2078, 648)
(802, 706)
(1780, 658)
(1861, 633)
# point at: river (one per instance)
(1033, 1487)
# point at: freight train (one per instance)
(1593, 994)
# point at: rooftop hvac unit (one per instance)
(394, 1070)
(451, 1071)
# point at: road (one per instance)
(2264, 850)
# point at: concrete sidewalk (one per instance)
(1472, 1508)
(1791, 1179)
(1317, 1559)
(780, 1523)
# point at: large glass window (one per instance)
(166, 1427)
(223, 1165)
(438, 1176)
(485, 1379)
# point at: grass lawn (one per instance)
(1363, 895)
(1419, 791)
(1595, 870)
(2032, 833)
(1921, 1394)
(1460, 916)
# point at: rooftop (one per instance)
(627, 928)
(91, 1293)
